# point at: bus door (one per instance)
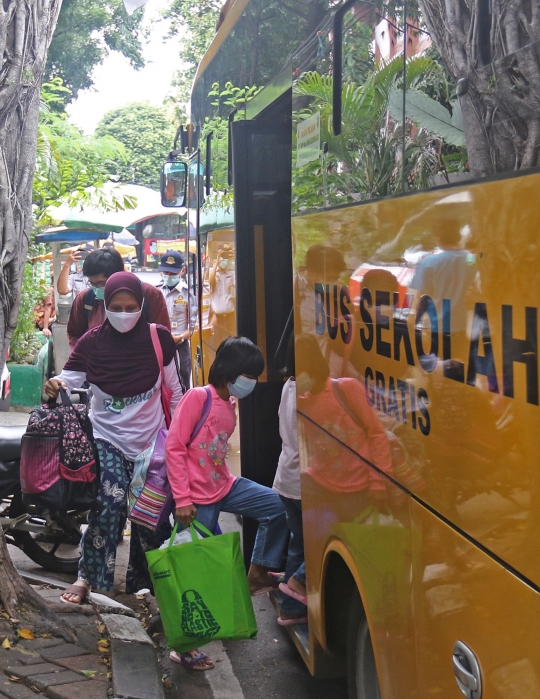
(261, 170)
(195, 199)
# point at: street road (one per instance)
(268, 667)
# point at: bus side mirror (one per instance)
(173, 184)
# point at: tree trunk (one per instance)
(499, 69)
(26, 29)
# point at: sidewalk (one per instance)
(113, 657)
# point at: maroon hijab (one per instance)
(121, 364)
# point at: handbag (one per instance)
(59, 459)
(202, 590)
(151, 500)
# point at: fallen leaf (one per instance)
(46, 635)
(168, 683)
(6, 644)
(109, 675)
(102, 649)
(5, 615)
(27, 634)
(101, 628)
(14, 679)
(88, 673)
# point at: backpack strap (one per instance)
(205, 412)
(89, 300)
(159, 356)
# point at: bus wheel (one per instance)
(361, 670)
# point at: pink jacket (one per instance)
(198, 473)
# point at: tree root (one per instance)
(24, 604)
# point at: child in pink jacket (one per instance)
(200, 480)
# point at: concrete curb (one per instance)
(135, 667)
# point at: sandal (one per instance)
(292, 620)
(80, 590)
(191, 658)
(276, 578)
(291, 593)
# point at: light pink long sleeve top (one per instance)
(198, 473)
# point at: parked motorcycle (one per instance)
(50, 538)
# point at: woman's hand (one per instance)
(185, 514)
(52, 387)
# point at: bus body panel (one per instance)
(342, 517)
(449, 369)
(461, 593)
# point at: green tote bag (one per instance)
(202, 590)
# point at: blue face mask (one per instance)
(242, 387)
(170, 281)
(100, 293)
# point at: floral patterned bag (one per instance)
(59, 460)
(150, 498)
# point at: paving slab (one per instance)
(15, 690)
(75, 619)
(43, 682)
(67, 650)
(136, 672)
(79, 690)
(30, 670)
(90, 663)
(88, 636)
(18, 655)
(39, 643)
(125, 628)
(7, 658)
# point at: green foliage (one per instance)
(365, 160)
(257, 46)
(223, 101)
(25, 343)
(194, 22)
(147, 137)
(86, 32)
(429, 114)
(71, 169)
(67, 161)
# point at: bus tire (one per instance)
(363, 682)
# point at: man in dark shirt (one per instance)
(88, 309)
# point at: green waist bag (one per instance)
(202, 590)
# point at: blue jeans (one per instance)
(295, 568)
(250, 499)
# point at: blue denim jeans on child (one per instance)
(250, 499)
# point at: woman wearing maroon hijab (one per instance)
(119, 362)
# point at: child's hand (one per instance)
(185, 514)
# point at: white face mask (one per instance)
(123, 322)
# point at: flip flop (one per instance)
(290, 622)
(277, 578)
(190, 661)
(291, 593)
(74, 589)
(262, 591)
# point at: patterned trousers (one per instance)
(106, 525)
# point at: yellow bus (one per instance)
(400, 241)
